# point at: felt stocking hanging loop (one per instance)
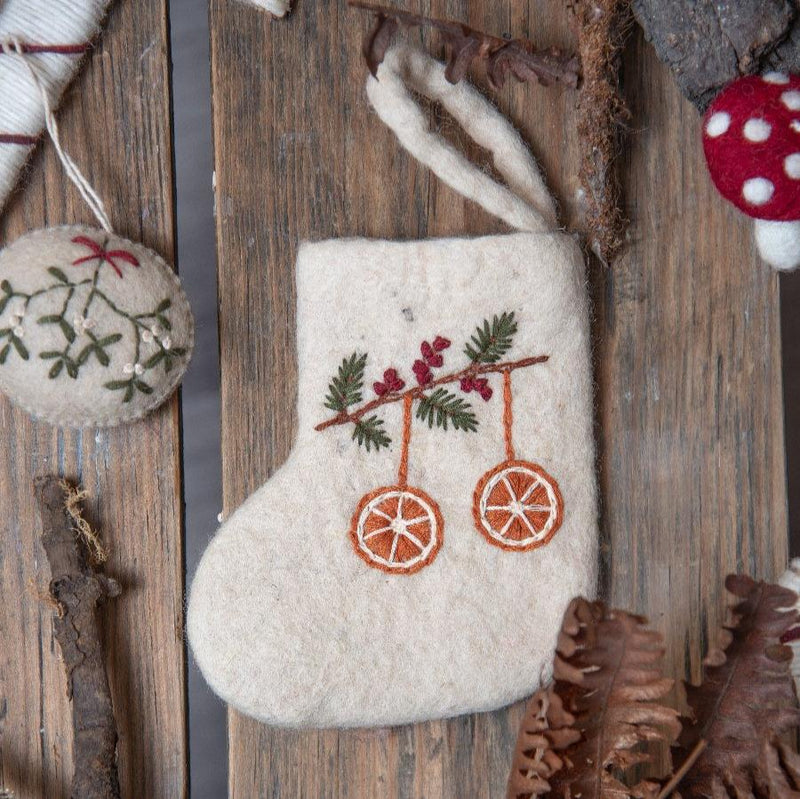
(413, 557)
(94, 329)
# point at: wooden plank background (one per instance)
(115, 123)
(686, 326)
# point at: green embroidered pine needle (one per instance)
(370, 433)
(443, 408)
(345, 388)
(491, 342)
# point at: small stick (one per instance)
(603, 26)
(78, 589)
(683, 770)
(417, 391)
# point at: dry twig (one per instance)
(79, 589)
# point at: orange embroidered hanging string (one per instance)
(508, 417)
(402, 474)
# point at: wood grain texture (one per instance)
(686, 328)
(115, 122)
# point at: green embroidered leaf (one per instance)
(163, 305)
(66, 329)
(55, 370)
(48, 354)
(84, 354)
(345, 388)
(143, 387)
(154, 360)
(102, 356)
(4, 353)
(20, 348)
(115, 385)
(128, 393)
(168, 364)
(443, 408)
(179, 351)
(58, 274)
(6, 286)
(50, 319)
(164, 322)
(112, 339)
(370, 433)
(4, 302)
(72, 368)
(491, 342)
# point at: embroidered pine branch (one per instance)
(746, 696)
(443, 408)
(503, 57)
(603, 26)
(491, 342)
(77, 589)
(370, 432)
(345, 387)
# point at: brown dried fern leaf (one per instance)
(779, 772)
(746, 696)
(607, 682)
(504, 57)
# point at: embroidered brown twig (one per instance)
(417, 391)
(503, 57)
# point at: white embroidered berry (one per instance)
(147, 336)
(138, 369)
(166, 342)
(18, 331)
(128, 368)
(156, 330)
(80, 324)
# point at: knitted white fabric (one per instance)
(38, 22)
(295, 616)
(94, 329)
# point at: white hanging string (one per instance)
(13, 45)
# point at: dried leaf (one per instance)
(607, 682)
(517, 57)
(745, 698)
(779, 772)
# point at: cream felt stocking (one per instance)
(414, 556)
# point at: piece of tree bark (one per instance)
(708, 43)
(78, 589)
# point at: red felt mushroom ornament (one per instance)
(751, 138)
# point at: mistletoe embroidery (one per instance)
(399, 529)
(153, 345)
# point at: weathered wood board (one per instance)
(686, 325)
(115, 123)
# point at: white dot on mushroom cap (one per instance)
(757, 191)
(795, 125)
(775, 77)
(718, 124)
(757, 130)
(791, 166)
(791, 100)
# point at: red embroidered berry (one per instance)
(467, 385)
(480, 384)
(426, 350)
(435, 360)
(441, 343)
(392, 380)
(419, 367)
(423, 380)
(486, 394)
(380, 389)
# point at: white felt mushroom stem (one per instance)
(779, 243)
(276, 7)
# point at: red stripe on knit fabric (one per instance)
(59, 49)
(18, 138)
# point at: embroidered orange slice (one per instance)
(397, 529)
(517, 506)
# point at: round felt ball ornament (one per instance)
(95, 330)
(751, 139)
